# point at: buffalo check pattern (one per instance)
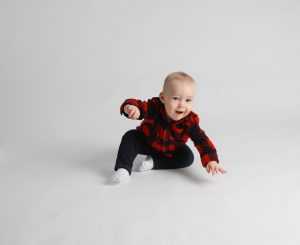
(166, 136)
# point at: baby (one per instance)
(168, 123)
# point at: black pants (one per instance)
(134, 142)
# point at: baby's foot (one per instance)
(120, 176)
(146, 165)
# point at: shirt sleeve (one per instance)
(147, 108)
(203, 144)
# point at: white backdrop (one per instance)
(66, 66)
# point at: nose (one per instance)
(181, 103)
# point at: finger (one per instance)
(216, 169)
(129, 108)
(138, 114)
(131, 111)
(135, 115)
(207, 169)
(126, 109)
(132, 114)
(223, 171)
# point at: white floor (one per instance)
(61, 196)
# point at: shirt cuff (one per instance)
(205, 159)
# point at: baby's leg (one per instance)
(133, 143)
(122, 175)
(182, 158)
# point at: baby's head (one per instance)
(178, 95)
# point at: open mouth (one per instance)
(179, 112)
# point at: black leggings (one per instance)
(134, 142)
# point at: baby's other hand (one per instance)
(214, 168)
(132, 111)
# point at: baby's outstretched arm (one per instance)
(132, 111)
(214, 168)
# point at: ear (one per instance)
(161, 97)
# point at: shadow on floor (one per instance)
(101, 161)
(193, 174)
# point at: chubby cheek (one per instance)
(171, 112)
(188, 110)
(170, 107)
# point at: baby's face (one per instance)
(178, 99)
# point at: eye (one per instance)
(188, 100)
(175, 98)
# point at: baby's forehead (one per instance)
(176, 83)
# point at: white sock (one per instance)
(146, 165)
(121, 175)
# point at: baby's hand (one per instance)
(214, 167)
(132, 111)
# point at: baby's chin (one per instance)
(178, 116)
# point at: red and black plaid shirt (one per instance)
(166, 136)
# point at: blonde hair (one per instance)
(179, 75)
